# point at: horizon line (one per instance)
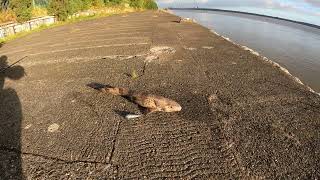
(249, 13)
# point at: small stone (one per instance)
(28, 126)
(53, 127)
(212, 97)
(108, 166)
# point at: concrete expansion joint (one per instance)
(222, 108)
(239, 167)
(114, 141)
(13, 150)
(221, 114)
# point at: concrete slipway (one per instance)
(242, 117)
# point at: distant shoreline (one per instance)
(247, 13)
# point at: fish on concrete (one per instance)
(152, 103)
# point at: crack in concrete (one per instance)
(113, 149)
(85, 48)
(109, 157)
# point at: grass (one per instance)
(134, 74)
(39, 12)
(99, 12)
(7, 16)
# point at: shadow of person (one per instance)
(10, 123)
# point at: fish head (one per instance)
(172, 106)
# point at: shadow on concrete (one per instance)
(98, 86)
(176, 21)
(122, 113)
(10, 123)
(195, 107)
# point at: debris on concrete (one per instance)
(207, 47)
(53, 127)
(158, 50)
(188, 20)
(190, 48)
(151, 58)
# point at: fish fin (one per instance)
(149, 110)
(133, 116)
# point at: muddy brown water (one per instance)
(295, 47)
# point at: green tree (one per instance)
(113, 2)
(59, 9)
(86, 4)
(22, 9)
(150, 4)
(143, 4)
(64, 8)
(4, 4)
(98, 3)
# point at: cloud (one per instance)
(226, 3)
(166, 1)
(313, 2)
(311, 7)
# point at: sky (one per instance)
(299, 10)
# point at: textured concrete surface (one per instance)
(242, 117)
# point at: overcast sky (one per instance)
(301, 10)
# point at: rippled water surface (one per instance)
(295, 47)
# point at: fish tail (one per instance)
(109, 89)
(115, 91)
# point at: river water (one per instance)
(295, 47)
